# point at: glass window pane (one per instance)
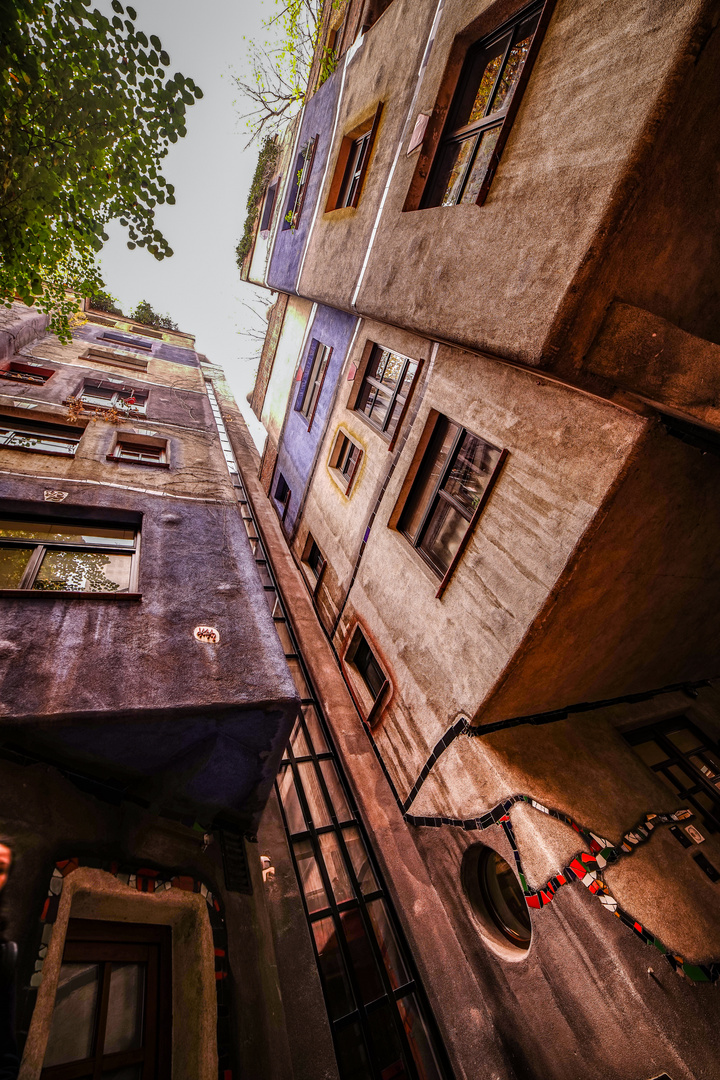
(335, 866)
(124, 1025)
(338, 993)
(299, 742)
(310, 879)
(707, 802)
(366, 970)
(378, 405)
(60, 531)
(442, 535)
(401, 398)
(335, 791)
(683, 778)
(514, 65)
(84, 571)
(711, 773)
(284, 635)
(13, 561)
(428, 476)
(389, 945)
(417, 1036)
(650, 752)
(386, 1042)
(684, 739)
(488, 142)
(48, 444)
(313, 793)
(312, 725)
(359, 859)
(473, 466)
(73, 1021)
(299, 679)
(455, 160)
(351, 1054)
(479, 77)
(291, 803)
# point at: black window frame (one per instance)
(298, 187)
(425, 457)
(370, 383)
(41, 546)
(311, 383)
(660, 732)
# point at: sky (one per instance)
(200, 287)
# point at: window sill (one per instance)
(34, 450)
(49, 594)
(144, 464)
(340, 480)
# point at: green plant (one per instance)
(87, 113)
(145, 314)
(103, 301)
(267, 160)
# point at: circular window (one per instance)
(498, 900)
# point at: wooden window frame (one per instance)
(344, 448)
(368, 702)
(117, 339)
(298, 188)
(346, 189)
(404, 502)
(26, 371)
(437, 135)
(103, 943)
(124, 443)
(314, 372)
(119, 394)
(362, 378)
(30, 429)
(41, 546)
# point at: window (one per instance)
(282, 494)
(312, 380)
(67, 556)
(113, 1004)
(269, 206)
(344, 461)
(105, 395)
(104, 356)
(42, 438)
(352, 164)
(385, 389)
(27, 372)
(686, 761)
(313, 558)
(298, 188)
(142, 453)
(452, 484)
(488, 93)
(126, 340)
(362, 658)
(496, 897)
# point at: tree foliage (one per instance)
(87, 113)
(145, 314)
(279, 66)
(267, 160)
(103, 301)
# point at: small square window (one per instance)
(345, 461)
(352, 164)
(140, 453)
(314, 559)
(312, 380)
(371, 682)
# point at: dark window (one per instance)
(147, 454)
(122, 339)
(312, 380)
(686, 761)
(62, 556)
(363, 659)
(467, 155)
(298, 188)
(452, 483)
(102, 396)
(101, 356)
(113, 1004)
(42, 438)
(385, 389)
(282, 494)
(314, 558)
(496, 896)
(26, 372)
(352, 164)
(345, 460)
(269, 206)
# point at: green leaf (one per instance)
(116, 6)
(131, 12)
(155, 41)
(131, 245)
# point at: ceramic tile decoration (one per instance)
(149, 880)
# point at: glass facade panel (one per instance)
(387, 1048)
(338, 992)
(389, 947)
(351, 1054)
(313, 793)
(335, 866)
(359, 859)
(124, 1025)
(417, 1035)
(651, 753)
(290, 802)
(335, 791)
(315, 895)
(314, 730)
(84, 571)
(73, 1021)
(299, 742)
(684, 739)
(367, 974)
(13, 561)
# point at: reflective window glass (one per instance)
(319, 811)
(126, 1004)
(335, 867)
(315, 895)
(389, 946)
(359, 859)
(84, 571)
(73, 1021)
(290, 801)
(13, 562)
(335, 790)
(338, 992)
(365, 967)
(417, 1035)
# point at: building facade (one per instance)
(499, 487)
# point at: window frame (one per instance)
(419, 468)
(284, 499)
(345, 459)
(43, 431)
(438, 134)
(316, 568)
(100, 942)
(659, 731)
(119, 394)
(376, 352)
(298, 188)
(313, 378)
(269, 206)
(125, 443)
(25, 588)
(350, 172)
(15, 371)
(368, 701)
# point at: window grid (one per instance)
(29, 438)
(385, 390)
(310, 747)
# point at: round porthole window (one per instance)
(497, 900)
